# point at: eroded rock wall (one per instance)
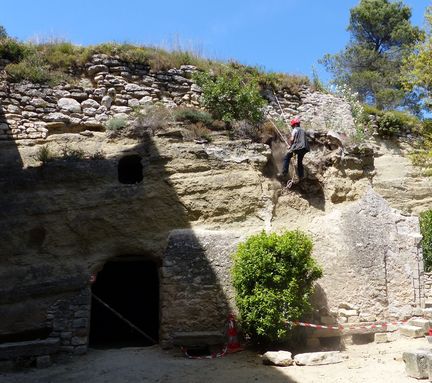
(371, 255)
(61, 221)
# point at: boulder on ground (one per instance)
(318, 358)
(416, 364)
(278, 358)
(411, 331)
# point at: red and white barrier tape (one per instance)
(349, 327)
(211, 356)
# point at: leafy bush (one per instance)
(59, 55)
(35, 69)
(232, 96)
(422, 156)
(394, 122)
(389, 125)
(12, 50)
(273, 277)
(426, 128)
(426, 231)
(369, 110)
(116, 123)
(193, 115)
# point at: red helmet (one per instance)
(295, 121)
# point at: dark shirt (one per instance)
(299, 139)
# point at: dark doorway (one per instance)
(130, 170)
(130, 287)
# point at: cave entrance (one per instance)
(131, 287)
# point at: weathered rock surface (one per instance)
(318, 358)
(416, 364)
(381, 337)
(424, 324)
(398, 181)
(188, 209)
(278, 358)
(411, 331)
(375, 248)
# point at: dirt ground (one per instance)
(372, 363)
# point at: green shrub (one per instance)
(12, 50)
(395, 122)
(193, 115)
(232, 96)
(389, 125)
(59, 55)
(273, 277)
(426, 129)
(33, 68)
(426, 231)
(116, 123)
(370, 110)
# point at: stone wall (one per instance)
(69, 319)
(196, 269)
(113, 88)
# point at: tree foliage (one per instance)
(3, 33)
(417, 68)
(381, 36)
(273, 276)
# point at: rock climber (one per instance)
(298, 144)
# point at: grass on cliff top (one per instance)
(56, 61)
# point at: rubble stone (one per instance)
(318, 358)
(416, 363)
(278, 358)
(411, 331)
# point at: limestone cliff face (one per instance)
(398, 181)
(187, 210)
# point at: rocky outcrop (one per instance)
(181, 204)
(371, 256)
(398, 181)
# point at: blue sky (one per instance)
(279, 35)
